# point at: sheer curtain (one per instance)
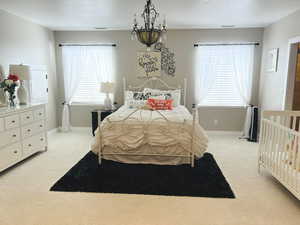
(205, 71)
(97, 66)
(84, 68)
(101, 62)
(243, 60)
(72, 65)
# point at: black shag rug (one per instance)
(204, 180)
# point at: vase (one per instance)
(11, 99)
(22, 94)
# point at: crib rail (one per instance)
(279, 145)
(286, 118)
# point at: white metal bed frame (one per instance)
(279, 147)
(154, 81)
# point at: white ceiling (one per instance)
(118, 14)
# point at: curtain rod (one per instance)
(113, 45)
(216, 44)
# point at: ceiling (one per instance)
(118, 14)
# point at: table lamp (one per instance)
(108, 88)
(22, 72)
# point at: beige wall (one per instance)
(24, 42)
(181, 42)
(272, 85)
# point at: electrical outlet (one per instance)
(216, 122)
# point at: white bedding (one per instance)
(125, 132)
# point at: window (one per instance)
(224, 75)
(85, 67)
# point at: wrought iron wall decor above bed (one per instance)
(154, 83)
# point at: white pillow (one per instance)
(135, 99)
(169, 94)
(158, 97)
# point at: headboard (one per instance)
(155, 83)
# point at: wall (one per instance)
(272, 85)
(181, 42)
(24, 42)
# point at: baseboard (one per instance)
(52, 131)
(238, 133)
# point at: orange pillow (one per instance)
(158, 104)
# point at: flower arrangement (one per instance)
(9, 85)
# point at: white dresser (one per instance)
(22, 133)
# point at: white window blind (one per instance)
(86, 67)
(224, 75)
(88, 90)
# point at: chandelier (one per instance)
(149, 34)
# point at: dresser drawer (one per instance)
(40, 126)
(9, 137)
(34, 144)
(32, 129)
(1, 124)
(10, 155)
(27, 117)
(12, 121)
(39, 114)
(28, 131)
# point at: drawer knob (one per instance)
(41, 125)
(29, 145)
(14, 135)
(28, 130)
(40, 114)
(13, 121)
(27, 117)
(42, 139)
(15, 152)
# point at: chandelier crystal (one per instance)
(150, 33)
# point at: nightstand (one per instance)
(98, 116)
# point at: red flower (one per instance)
(13, 77)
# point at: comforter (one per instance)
(128, 129)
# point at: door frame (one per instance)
(290, 73)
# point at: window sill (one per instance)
(87, 104)
(221, 107)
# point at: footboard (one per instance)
(279, 147)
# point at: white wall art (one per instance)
(149, 64)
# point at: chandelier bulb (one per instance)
(135, 20)
(164, 21)
(133, 36)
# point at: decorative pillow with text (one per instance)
(158, 104)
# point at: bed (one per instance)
(140, 135)
(279, 144)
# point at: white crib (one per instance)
(279, 144)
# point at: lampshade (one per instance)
(21, 71)
(107, 87)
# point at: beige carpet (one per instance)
(25, 199)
